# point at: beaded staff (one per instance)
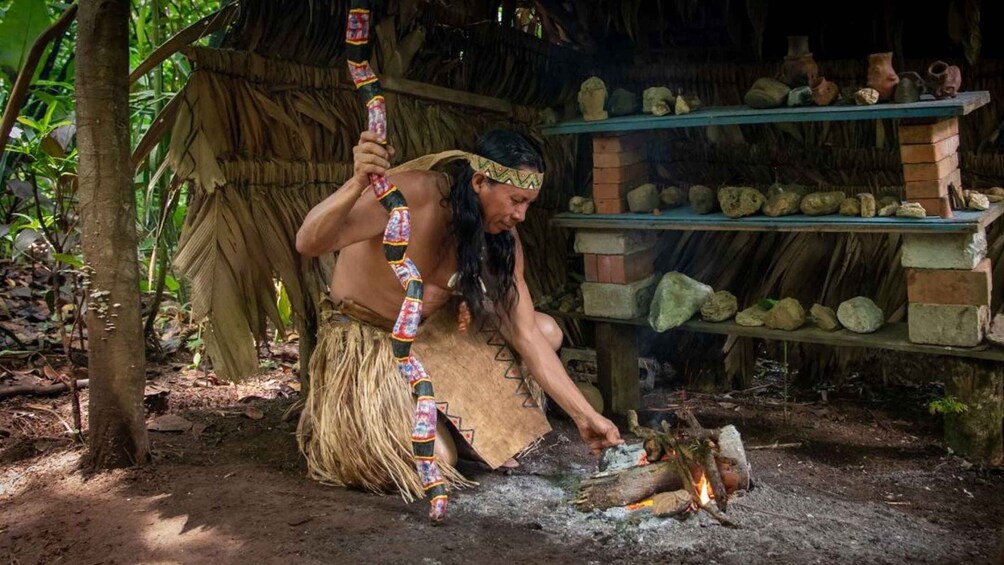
(395, 248)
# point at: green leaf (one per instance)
(22, 24)
(766, 303)
(171, 283)
(285, 307)
(68, 259)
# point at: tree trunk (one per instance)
(108, 214)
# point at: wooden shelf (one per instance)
(928, 107)
(685, 219)
(893, 337)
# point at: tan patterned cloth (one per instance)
(356, 426)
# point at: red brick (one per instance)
(621, 159)
(589, 259)
(610, 205)
(928, 133)
(625, 269)
(950, 286)
(936, 206)
(637, 172)
(612, 190)
(929, 152)
(930, 171)
(933, 188)
(618, 143)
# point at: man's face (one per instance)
(502, 205)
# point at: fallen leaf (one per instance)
(254, 413)
(198, 428)
(295, 385)
(169, 423)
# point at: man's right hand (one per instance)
(370, 157)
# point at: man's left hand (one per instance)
(599, 433)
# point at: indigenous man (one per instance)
(355, 428)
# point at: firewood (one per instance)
(715, 479)
(627, 486)
(665, 504)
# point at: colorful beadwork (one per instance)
(395, 245)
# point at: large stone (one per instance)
(887, 206)
(603, 242)
(677, 298)
(782, 204)
(822, 203)
(800, 96)
(911, 210)
(824, 318)
(780, 188)
(767, 93)
(850, 207)
(944, 251)
(623, 103)
(740, 201)
(860, 315)
(720, 307)
(643, 199)
(702, 199)
(654, 95)
(619, 301)
(672, 197)
(752, 316)
(787, 314)
(947, 324)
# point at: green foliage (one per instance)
(946, 405)
(766, 303)
(22, 22)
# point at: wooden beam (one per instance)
(442, 94)
(617, 367)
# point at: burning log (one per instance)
(699, 463)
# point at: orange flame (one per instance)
(704, 491)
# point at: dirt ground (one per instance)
(866, 482)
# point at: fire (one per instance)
(704, 491)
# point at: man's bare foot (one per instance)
(510, 464)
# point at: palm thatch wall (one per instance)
(262, 139)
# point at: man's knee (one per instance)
(446, 448)
(550, 329)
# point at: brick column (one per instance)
(930, 156)
(619, 165)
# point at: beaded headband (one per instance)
(500, 173)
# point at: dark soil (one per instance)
(864, 485)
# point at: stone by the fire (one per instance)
(850, 207)
(740, 201)
(672, 196)
(978, 201)
(720, 307)
(868, 205)
(824, 318)
(822, 203)
(677, 298)
(782, 204)
(787, 315)
(666, 504)
(860, 315)
(643, 199)
(752, 316)
(702, 199)
(911, 210)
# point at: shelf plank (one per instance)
(927, 107)
(685, 219)
(893, 337)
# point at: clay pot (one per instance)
(881, 76)
(824, 92)
(799, 68)
(945, 79)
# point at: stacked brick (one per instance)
(930, 156)
(619, 269)
(948, 288)
(619, 164)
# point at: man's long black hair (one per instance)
(480, 255)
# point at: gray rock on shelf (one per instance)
(787, 315)
(720, 307)
(752, 316)
(868, 205)
(677, 298)
(672, 197)
(782, 204)
(643, 199)
(911, 210)
(740, 201)
(702, 199)
(822, 203)
(623, 103)
(824, 318)
(850, 207)
(860, 315)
